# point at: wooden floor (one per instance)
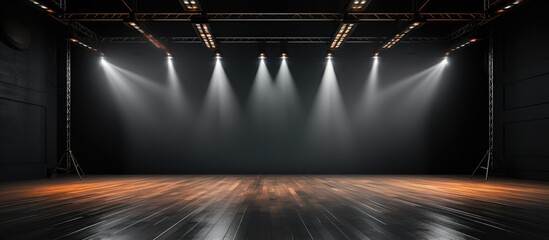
(274, 207)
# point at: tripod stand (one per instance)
(489, 155)
(68, 156)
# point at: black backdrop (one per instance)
(132, 125)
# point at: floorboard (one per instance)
(274, 207)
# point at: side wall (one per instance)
(28, 94)
(522, 92)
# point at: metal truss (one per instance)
(230, 40)
(83, 30)
(286, 17)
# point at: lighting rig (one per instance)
(191, 5)
(358, 5)
(204, 31)
(133, 24)
(391, 42)
(43, 7)
(84, 45)
(509, 6)
(344, 30)
(462, 45)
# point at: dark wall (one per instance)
(130, 118)
(28, 93)
(523, 92)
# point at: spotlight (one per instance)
(445, 60)
(102, 60)
(169, 55)
(218, 54)
(329, 54)
(376, 54)
(262, 55)
(283, 55)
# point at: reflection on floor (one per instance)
(274, 207)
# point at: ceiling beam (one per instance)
(292, 40)
(286, 17)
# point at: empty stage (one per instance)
(273, 207)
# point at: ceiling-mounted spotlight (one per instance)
(376, 54)
(262, 54)
(283, 54)
(218, 54)
(329, 54)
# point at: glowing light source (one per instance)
(358, 5)
(509, 6)
(190, 5)
(344, 31)
(329, 54)
(283, 54)
(376, 54)
(460, 46)
(204, 31)
(399, 36)
(262, 55)
(218, 54)
(149, 37)
(445, 60)
(84, 45)
(42, 6)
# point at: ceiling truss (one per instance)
(270, 17)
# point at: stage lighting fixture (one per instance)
(283, 54)
(190, 5)
(376, 54)
(149, 37)
(42, 6)
(344, 31)
(394, 40)
(445, 60)
(329, 54)
(218, 54)
(460, 46)
(262, 54)
(204, 31)
(79, 43)
(509, 6)
(358, 5)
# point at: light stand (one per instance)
(68, 157)
(489, 155)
